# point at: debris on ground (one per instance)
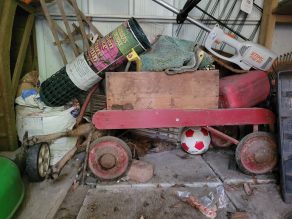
(239, 215)
(208, 204)
(210, 212)
(247, 188)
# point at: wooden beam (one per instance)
(268, 23)
(21, 55)
(285, 19)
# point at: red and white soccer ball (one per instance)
(195, 140)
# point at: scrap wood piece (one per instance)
(91, 26)
(77, 29)
(81, 26)
(66, 23)
(65, 36)
(53, 30)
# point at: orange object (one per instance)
(26, 1)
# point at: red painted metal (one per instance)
(135, 119)
(244, 90)
(109, 157)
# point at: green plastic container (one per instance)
(11, 188)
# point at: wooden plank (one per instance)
(8, 141)
(42, 200)
(21, 55)
(157, 90)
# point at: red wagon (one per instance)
(256, 153)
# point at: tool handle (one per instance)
(176, 11)
(182, 15)
(217, 35)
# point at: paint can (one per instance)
(106, 54)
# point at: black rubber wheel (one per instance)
(37, 162)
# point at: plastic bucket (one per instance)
(105, 54)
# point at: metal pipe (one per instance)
(176, 11)
(221, 135)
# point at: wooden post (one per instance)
(8, 137)
(21, 55)
(268, 23)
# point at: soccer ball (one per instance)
(195, 140)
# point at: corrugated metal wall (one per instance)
(107, 14)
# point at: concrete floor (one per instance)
(174, 171)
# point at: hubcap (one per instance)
(43, 160)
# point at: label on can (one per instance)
(124, 39)
(81, 74)
(103, 53)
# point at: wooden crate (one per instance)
(157, 90)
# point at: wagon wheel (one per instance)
(37, 162)
(231, 131)
(109, 157)
(256, 153)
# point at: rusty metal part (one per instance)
(109, 158)
(256, 153)
(223, 136)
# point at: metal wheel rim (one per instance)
(110, 145)
(43, 160)
(246, 159)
